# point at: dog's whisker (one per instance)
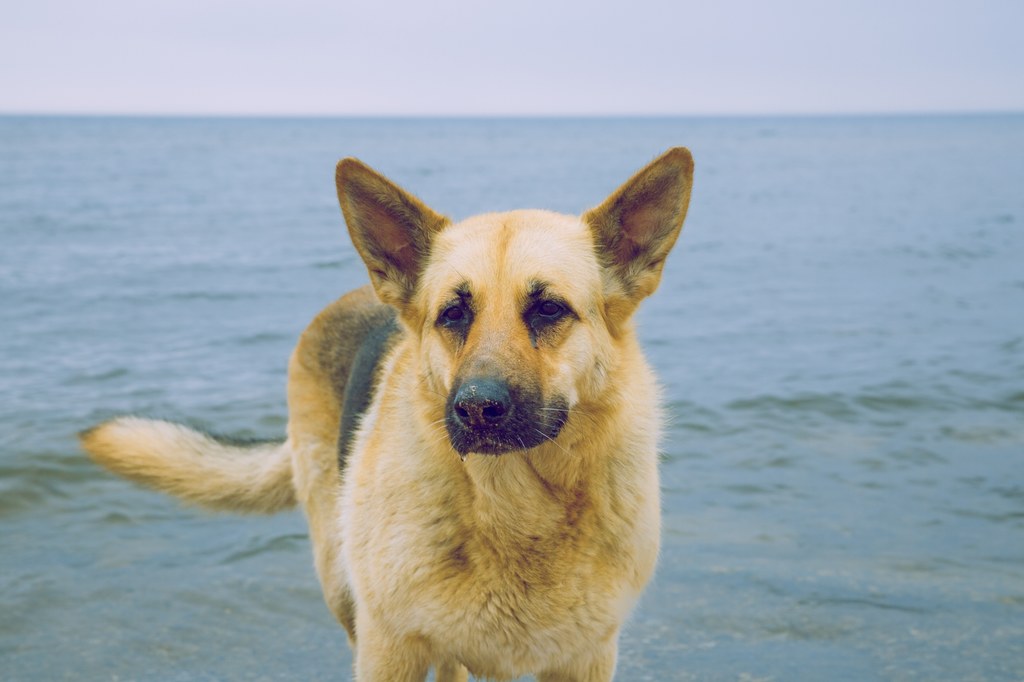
(552, 440)
(449, 264)
(423, 381)
(574, 413)
(436, 437)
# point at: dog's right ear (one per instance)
(390, 228)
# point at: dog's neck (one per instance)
(525, 496)
(535, 476)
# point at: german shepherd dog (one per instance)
(473, 438)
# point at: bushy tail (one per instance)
(194, 466)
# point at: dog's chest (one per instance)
(503, 609)
(507, 579)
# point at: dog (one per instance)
(473, 437)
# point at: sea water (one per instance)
(839, 333)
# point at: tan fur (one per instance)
(508, 564)
(183, 462)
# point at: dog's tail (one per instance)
(212, 472)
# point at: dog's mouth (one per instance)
(490, 417)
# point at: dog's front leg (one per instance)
(383, 657)
(450, 671)
(599, 666)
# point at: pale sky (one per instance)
(528, 57)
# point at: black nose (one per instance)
(482, 403)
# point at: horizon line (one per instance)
(881, 113)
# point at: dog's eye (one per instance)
(544, 316)
(550, 309)
(455, 317)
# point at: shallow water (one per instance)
(839, 332)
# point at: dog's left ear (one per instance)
(391, 229)
(636, 227)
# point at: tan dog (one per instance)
(497, 425)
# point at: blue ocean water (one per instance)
(840, 335)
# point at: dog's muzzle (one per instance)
(488, 416)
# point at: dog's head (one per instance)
(516, 314)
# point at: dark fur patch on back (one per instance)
(362, 381)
